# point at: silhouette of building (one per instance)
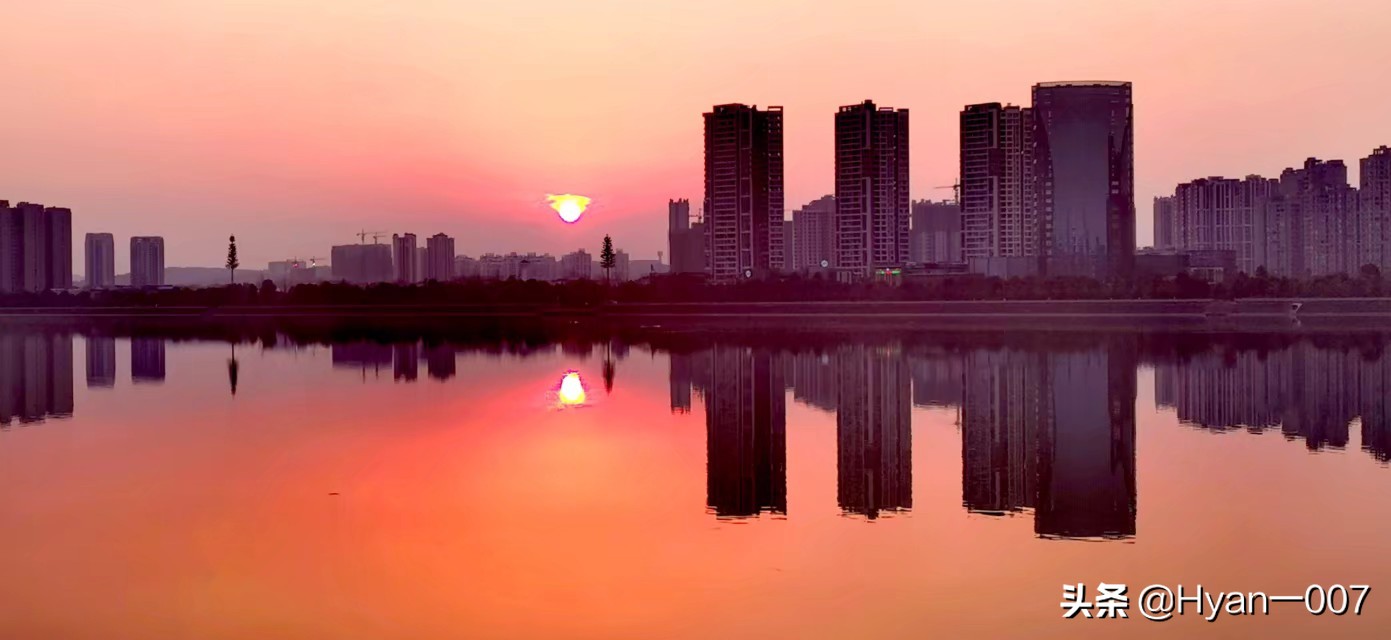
(100, 263)
(743, 192)
(874, 454)
(998, 221)
(146, 261)
(872, 197)
(936, 233)
(1086, 453)
(685, 241)
(35, 248)
(746, 433)
(440, 361)
(404, 258)
(362, 263)
(439, 258)
(1218, 214)
(1164, 224)
(1308, 221)
(1001, 413)
(1374, 210)
(814, 230)
(1084, 172)
(146, 360)
(622, 267)
(577, 265)
(101, 361)
(405, 361)
(36, 376)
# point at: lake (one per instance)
(161, 482)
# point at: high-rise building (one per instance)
(35, 248)
(622, 266)
(936, 234)
(685, 241)
(814, 226)
(1164, 223)
(743, 192)
(1219, 214)
(361, 263)
(1374, 210)
(439, 258)
(1308, 222)
(997, 183)
(146, 261)
(1084, 176)
(872, 198)
(100, 261)
(404, 258)
(576, 265)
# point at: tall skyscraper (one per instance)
(1084, 172)
(146, 261)
(576, 265)
(743, 192)
(361, 263)
(439, 258)
(404, 258)
(1220, 214)
(35, 248)
(1164, 223)
(936, 234)
(100, 262)
(685, 241)
(997, 183)
(814, 226)
(1309, 220)
(1374, 210)
(872, 198)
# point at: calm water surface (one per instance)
(907, 488)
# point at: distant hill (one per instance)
(200, 276)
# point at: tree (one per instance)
(232, 262)
(607, 259)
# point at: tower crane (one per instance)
(376, 236)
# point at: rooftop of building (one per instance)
(1084, 83)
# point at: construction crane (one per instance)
(955, 191)
(376, 236)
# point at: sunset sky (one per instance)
(295, 123)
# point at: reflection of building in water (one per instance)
(1311, 393)
(815, 379)
(365, 356)
(101, 361)
(1001, 411)
(936, 380)
(440, 362)
(147, 360)
(1375, 406)
(682, 369)
(35, 377)
(874, 453)
(746, 433)
(405, 360)
(1087, 443)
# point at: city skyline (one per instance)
(414, 139)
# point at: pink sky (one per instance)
(295, 123)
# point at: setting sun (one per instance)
(569, 206)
